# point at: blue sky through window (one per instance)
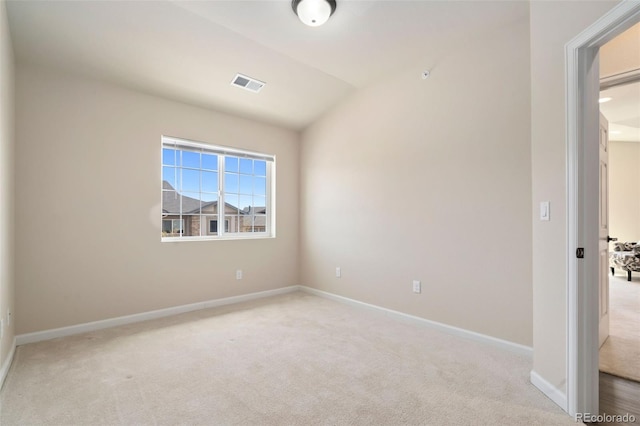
(195, 174)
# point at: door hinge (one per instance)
(580, 253)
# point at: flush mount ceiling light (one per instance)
(314, 12)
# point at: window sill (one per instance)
(225, 238)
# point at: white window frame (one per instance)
(223, 151)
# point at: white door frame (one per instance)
(582, 92)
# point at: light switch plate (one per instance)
(545, 213)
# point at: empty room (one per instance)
(303, 212)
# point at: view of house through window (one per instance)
(205, 186)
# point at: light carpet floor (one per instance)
(620, 354)
(294, 359)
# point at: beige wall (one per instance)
(622, 54)
(624, 190)
(553, 24)
(429, 180)
(88, 205)
(6, 184)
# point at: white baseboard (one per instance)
(6, 365)
(39, 336)
(461, 332)
(552, 392)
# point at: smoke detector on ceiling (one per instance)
(248, 83)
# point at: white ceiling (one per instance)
(191, 50)
(623, 112)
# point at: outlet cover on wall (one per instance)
(338, 272)
(417, 287)
(238, 274)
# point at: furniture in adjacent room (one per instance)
(625, 256)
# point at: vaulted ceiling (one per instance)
(191, 50)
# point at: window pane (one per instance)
(209, 182)
(231, 164)
(170, 178)
(191, 225)
(230, 182)
(245, 203)
(246, 184)
(232, 203)
(260, 168)
(190, 203)
(211, 225)
(207, 198)
(191, 180)
(210, 206)
(260, 186)
(233, 223)
(191, 159)
(209, 162)
(168, 157)
(246, 166)
(246, 223)
(171, 227)
(166, 226)
(170, 202)
(259, 202)
(260, 223)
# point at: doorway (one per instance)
(583, 204)
(620, 105)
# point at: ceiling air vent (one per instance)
(247, 83)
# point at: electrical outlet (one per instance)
(338, 272)
(417, 287)
(238, 274)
